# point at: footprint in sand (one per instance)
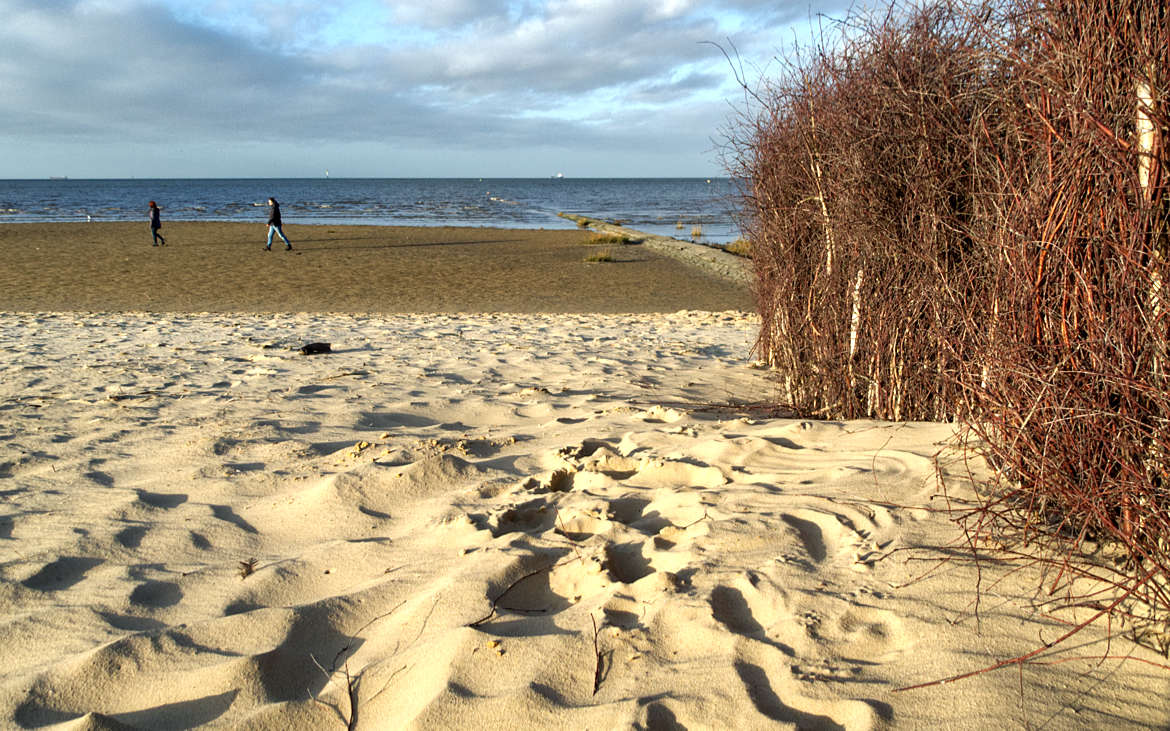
(841, 714)
(826, 534)
(532, 516)
(384, 421)
(131, 537)
(731, 608)
(811, 536)
(129, 623)
(163, 501)
(156, 594)
(312, 390)
(100, 478)
(62, 573)
(626, 562)
(226, 514)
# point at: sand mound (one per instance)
(487, 521)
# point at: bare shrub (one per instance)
(859, 196)
(960, 211)
(1072, 398)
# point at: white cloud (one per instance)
(446, 14)
(405, 75)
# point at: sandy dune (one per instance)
(492, 521)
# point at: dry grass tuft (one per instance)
(608, 240)
(247, 568)
(739, 247)
(605, 255)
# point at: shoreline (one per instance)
(711, 259)
(221, 267)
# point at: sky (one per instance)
(380, 88)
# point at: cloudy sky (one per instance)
(396, 88)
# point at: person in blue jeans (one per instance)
(274, 225)
(155, 225)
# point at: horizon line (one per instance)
(60, 178)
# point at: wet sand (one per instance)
(222, 267)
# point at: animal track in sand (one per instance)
(866, 633)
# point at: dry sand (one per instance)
(492, 521)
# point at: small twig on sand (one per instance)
(115, 397)
(502, 594)
(597, 668)
(352, 682)
(351, 690)
(706, 516)
(386, 686)
(343, 375)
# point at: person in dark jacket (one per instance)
(155, 225)
(274, 225)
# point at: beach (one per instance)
(222, 267)
(520, 491)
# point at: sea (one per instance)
(702, 209)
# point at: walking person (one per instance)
(274, 225)
(155, 225)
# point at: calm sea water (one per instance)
(670, 207)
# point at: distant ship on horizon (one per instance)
(58, 177)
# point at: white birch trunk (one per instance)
(854, 327)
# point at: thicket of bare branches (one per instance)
(860, 192)
(1074, 405)
(960, 211)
